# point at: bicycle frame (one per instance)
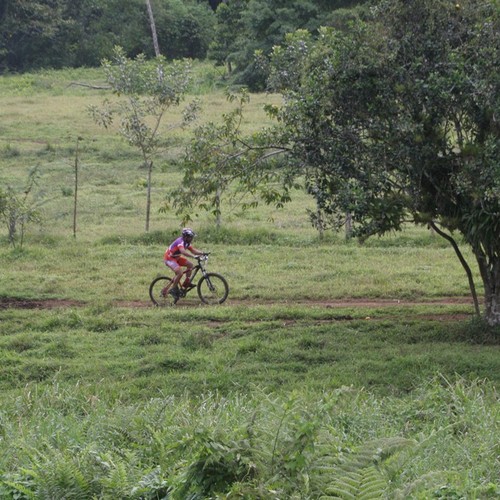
(195, 269)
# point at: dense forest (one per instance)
(38, 34)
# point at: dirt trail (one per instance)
(16, 303)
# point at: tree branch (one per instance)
(462, 261)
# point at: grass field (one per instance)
(333, 370)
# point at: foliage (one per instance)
(18, 208)
(185, 29)
(149, 91)
(217, 163)
(225, 45)
(61, 33)
(259, 25)
(31, 33)
(344, 444)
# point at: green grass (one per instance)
(281, 392)
(233, 349)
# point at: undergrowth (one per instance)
(439, 442)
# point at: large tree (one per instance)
(399, 120)
(396, 120)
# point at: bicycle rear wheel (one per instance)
(213, 289)
(157, 291)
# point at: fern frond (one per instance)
(339, 492)
(15, 488)
(367, 484)
(360, 474)
(60, 477)
(117, 481)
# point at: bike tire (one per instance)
(213, 289)
(156, 295)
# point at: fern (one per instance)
(15, 489)
(361, 474)
(422, 483)
(117, 483)
(60, 477)
(367, 484)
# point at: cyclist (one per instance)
(175, 258)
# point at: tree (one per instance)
(147, 90)
(31, 32)
(75, 194)
(219, 163)
(63, 33)
(225, 45)
(185, 28)
(395, 121)
(398, 121)
(19, 208)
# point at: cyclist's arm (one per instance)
(195, 251)
(190, 251)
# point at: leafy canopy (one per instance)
(398, 118)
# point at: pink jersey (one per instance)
(174, 250)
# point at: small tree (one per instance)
(221, 162)
(147, 90)
(19, 208)
(75, 194)
(225, 44)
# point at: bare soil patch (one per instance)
(15, 303)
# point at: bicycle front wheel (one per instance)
(213, 289)
(159, 292)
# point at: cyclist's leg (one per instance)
(187, 280)
(176, 267)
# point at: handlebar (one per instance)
(203, 257)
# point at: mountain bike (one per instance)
(212, 287)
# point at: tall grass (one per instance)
(440, 442)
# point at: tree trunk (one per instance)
(12, 227)
(75, 199)
(466, 267)
(149, 165)
(490, 273)
(153, 27)
(348, 225)
(218, 217)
